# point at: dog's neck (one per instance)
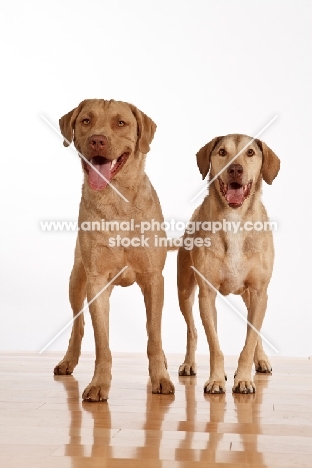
(125, 200)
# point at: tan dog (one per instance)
(238, 263)
(114, 137)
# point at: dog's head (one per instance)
(109, 134)
(237, 163)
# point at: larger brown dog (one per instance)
(238, 263)
(114, 138)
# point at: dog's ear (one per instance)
(67, 123)
(146, 130)
(203, 156)
(270, 163)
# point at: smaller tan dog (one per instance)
(238, 262)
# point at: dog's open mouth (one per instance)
(235, 193)
(103, 170)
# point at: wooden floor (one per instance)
(44, 423)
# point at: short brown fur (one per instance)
(96, 262)
(238, 263)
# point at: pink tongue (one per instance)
(235, 195)
(97, 182)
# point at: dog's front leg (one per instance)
(153, 290)
(77, 294)
(208, 313)
(243, 382)
(99, 387)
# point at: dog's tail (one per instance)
(174, 243)
(171, 248)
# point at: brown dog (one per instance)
(236, 262)
(114, 138)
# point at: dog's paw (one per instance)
(188, 369)
(64, 367)
(243, 386)
(263, 366)
(163, 386)
(95, 393)
(214, 386)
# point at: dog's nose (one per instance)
(235, 171)
(97, 142)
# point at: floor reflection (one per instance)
(157, 406)
(233, 425)
(106, 442)
(249, 410)
(141, 426)
(201, 446)
(85, 442)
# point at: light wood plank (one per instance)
(44, 423)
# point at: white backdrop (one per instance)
(199, 69)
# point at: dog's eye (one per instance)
(121, 123)
(222, 152)
(86, 121)
(250, 152)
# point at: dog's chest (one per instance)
(234, 254)
(235, 262)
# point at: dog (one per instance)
(239, 263)
(113, 138)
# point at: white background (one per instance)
(200, 69)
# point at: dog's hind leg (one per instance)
(77, 294)
(186, 293)
(261, 360)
